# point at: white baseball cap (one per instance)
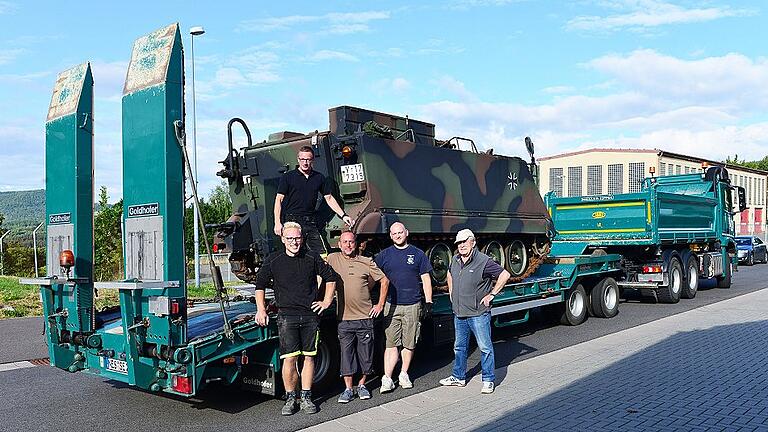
(463, 235)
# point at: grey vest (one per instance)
(469, 287)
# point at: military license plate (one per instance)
(118, 366)
(352, 173)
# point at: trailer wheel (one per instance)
(517, 258)
(691, 285)
(724, 281)
(604, 298)
(327, 360)
(574, 309)
(671, 292)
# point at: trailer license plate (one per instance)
(118, 366)
(352, 173)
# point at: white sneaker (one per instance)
(405, 380)
(452, 381)
(488, 387)
(387, 385)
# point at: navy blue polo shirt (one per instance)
(301, 192)
(403, 268)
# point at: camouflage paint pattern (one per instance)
(434, 189)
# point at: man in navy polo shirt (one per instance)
(296, 198)
(407, 268)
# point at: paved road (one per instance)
(90, 403)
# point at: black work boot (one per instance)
(307, 406)
(291, 405)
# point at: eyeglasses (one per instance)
(292, 239)
(306, 160)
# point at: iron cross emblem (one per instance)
(512, 177)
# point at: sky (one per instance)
(684, 76)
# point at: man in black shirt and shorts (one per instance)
(294, 272)
(296, 197)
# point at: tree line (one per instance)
(18, 256)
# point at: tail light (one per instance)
(181, 384)
(652, 269)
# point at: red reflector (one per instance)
(174, 308)
(182, 384)
(229, 360)
(652, 269)
(215, 247)
(244, 358)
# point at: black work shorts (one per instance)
(356, 341)
(298, 335)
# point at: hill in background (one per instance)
(23, 210)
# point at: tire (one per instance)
(604, 298)
(751, 259)
(574, 309)
(671, 292)
(327, 360)
(691, 285)
(725, 280)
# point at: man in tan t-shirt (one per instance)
(356, 311)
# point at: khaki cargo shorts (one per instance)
(402, 326)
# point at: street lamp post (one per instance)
(34, 246)
(195, 31)
(2, 259)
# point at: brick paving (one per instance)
(701, 370)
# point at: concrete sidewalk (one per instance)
(705, 369)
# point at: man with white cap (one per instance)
(471, 287)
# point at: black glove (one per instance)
(426, 310)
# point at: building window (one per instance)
(750, 200)
(574, 181)
(615, 178)
(594, 179)
(677, 169)
(556, 181)
(636, 176)
(662, 169)
(687, 170)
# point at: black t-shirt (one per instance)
(301, 192)
(295, 279)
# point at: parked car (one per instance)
(751, 250)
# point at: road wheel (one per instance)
(724, 281)
(691, 285)
(750, 259)
(574, 309)
(495, 250)
(671, 292)
(517, 258)
(604, 298)
(440, 257)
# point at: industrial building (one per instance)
(612, 171)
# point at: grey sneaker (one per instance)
(346, 396)
(453, 381)
(308, 407)
(405, 380)
(387, 385)
(363, 392)
(488, 387)
(291, 406)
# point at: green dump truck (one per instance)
(676, 230)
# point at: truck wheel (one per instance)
(327, 360)
(495, 250)
(440, 257)
(604, 298)
(671, 292)
(724, 281)
(517, 258)
(574, 309)
(750, 259)
(691, 285)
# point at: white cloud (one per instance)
(324, 55)
(9, 55)
(7, 7)
(643, 14)
(557, 89)
(336, 23)
(455, 87)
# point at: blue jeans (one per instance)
(479, 326)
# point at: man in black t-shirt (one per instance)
(294, 272)
(296, 197)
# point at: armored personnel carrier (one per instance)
(385, 169)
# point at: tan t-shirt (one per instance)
(358, 276)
